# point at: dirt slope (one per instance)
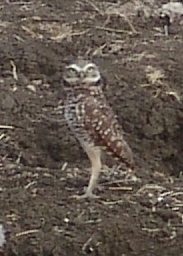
(136, 215)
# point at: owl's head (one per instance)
(81, 72)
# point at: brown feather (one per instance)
(101, 124)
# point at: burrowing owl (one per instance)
(91, 119)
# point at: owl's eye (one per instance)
(90, 69)
(72, 70)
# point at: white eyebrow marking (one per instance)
(89, 65)
(75, 66)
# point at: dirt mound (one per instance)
(139, 215)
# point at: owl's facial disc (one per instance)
(87, 73)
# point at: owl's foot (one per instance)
(84, 196)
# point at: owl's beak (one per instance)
(81, 75)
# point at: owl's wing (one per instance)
(103, 127)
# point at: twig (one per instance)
(112, 202)
(123, 16)
(18, 38)
(80, 32)
(114, 30)
(177, 193)
(14, 70)
(30, 184)
(113, 182)
(174, 94)
(99, 49)
(2, 236)
(149, 186)
(64, 166)
(86, 244)
(121, 188)
(151, 230)
(2, 136)
(63, 36)
(30, 32)
(92, 221)
(95, 7)
(130, 24)
(6, 127)
(27, 232)
(18, 158)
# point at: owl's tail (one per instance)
(122, 151)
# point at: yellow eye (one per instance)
(90, 69)
(72, 70)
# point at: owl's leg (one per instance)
(94, 155)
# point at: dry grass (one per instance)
(157, 82)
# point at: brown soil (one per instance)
(136, 215)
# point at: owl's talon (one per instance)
(84, 196)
